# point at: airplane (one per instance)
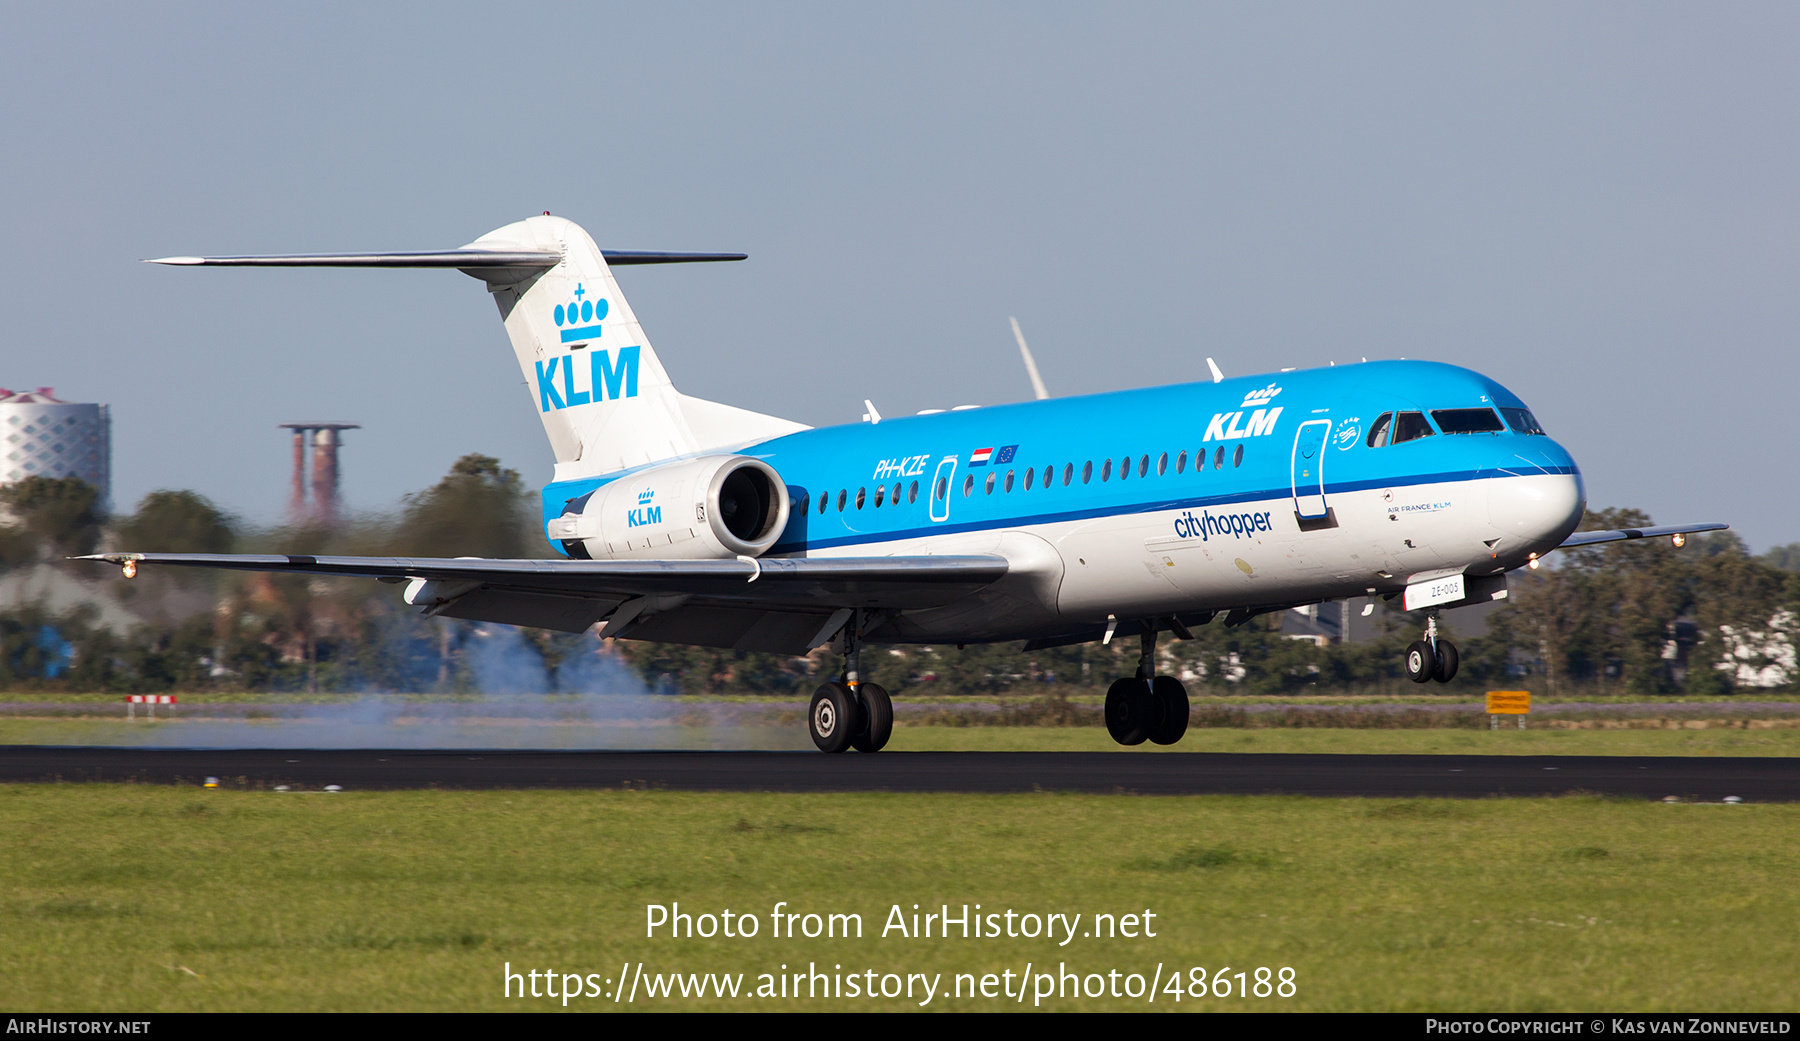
(1058, 521)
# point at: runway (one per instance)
(1709, 779)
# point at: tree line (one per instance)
(1620, 618)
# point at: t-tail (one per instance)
(605, 399)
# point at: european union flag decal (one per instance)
(1005, 455)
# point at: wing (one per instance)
(1589, 538)
(787, 605)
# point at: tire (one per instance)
(1172, 698)
(878, 712)
(1130, 711)
(833, 717)
(1447, 662)
(1421, 664)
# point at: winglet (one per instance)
(1218, 377)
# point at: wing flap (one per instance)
(563, 613)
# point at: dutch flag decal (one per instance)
(980, 456)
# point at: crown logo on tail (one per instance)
(580, 319)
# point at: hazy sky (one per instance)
(1595, 204)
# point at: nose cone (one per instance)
(1535, 512)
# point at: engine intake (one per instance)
(712, 507)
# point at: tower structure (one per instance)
(44, 436)
(324, 439)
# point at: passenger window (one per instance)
(1521, 420)
(1009, 479)
(1124, 468)
(943, 487)
(1237, 457)
(1467, 420)
(968, 485)
(1162, 464)
(1379, 430)
(1219, 458)
(843, 497)
(1049, 472)
(912, 493)
(1030, 476)
(1144, 465)
(1409, 426)
(1068, 474)
(860, 496)
(990, 483)
(1181, 462)
(1087, 471)
(1105, 471)
(880, 495)
(824, 501)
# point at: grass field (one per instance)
(1712, 741)
(150, 898)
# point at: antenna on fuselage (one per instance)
(1218, 377)
(1037, 382)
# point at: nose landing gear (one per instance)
(1431, 658)
(851, 713)
(1147, 706)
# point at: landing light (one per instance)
(130, 569)
(1534, 562)
(1680, 540)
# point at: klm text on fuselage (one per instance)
(604, 381)
(1224, 426)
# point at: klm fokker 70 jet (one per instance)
(1100, 517)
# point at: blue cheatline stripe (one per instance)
(1230, 499)
(591, 332)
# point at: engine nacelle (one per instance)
(714, 507)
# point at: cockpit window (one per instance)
(1521, 420)
(1379, 430)
(1411, 425)
(1467, 420)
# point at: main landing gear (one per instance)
(1431, 658)
(851, 713)
(1147, 706)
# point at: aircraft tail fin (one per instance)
(604, 397)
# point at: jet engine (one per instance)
(712, 507)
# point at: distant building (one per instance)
(42, 436)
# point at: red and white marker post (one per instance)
(132, 701)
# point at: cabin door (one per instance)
(1308, 468)
(940, 488)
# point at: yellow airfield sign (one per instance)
(1508, 702)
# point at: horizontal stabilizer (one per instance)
(585, 363)
(1589, 538)
(462, 259)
